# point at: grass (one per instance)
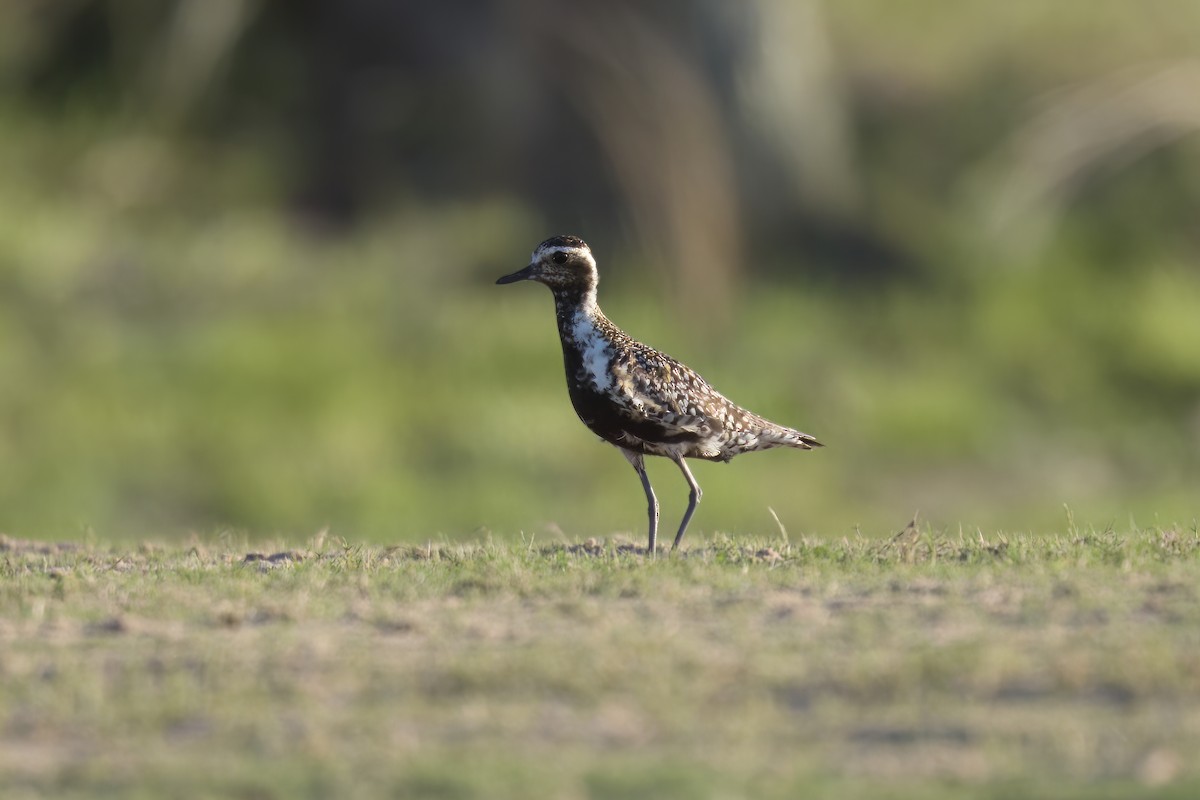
(926, 666)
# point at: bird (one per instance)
(638, 399)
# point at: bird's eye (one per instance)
(559, 257)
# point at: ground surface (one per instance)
(932, 665)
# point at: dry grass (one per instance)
(925, 666)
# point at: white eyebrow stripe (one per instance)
(585, 252)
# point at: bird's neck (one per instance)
(573, 306)
(587, 343)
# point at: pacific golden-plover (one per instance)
(634, 397)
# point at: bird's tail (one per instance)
(787, 437)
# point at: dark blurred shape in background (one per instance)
(245, 252)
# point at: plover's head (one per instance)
(564, 263)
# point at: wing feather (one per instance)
(654, 389)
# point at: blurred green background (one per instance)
(247, 253)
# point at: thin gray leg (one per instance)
(693, 501)
(639, 463)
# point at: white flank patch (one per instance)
(594, 348)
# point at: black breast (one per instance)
(595, 409)
(610, 421)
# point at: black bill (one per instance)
(519, 275)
